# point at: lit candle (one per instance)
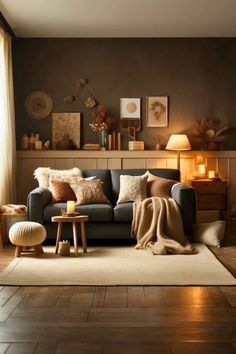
(211, 174)
(70, 206)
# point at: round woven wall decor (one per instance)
(38, 105)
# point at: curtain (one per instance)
(7, 123)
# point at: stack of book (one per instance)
(136, 145)
(92, 147)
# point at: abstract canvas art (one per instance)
(66, 131)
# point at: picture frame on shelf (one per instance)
(130, 108)
(157, 111)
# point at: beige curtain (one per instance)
(7, 123)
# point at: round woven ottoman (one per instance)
(26, 235)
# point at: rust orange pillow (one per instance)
(62, 191)
(158, 186)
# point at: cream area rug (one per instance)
(117, 266)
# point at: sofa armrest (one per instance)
(185, 197)
(36, 202)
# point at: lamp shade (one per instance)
(178, 142)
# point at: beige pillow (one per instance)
(90, 192)
(43, 174)
(210, 233)
(132, 189)
(158, 186)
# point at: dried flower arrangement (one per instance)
(101, 120)
(209, 130)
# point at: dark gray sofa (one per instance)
(109, 221)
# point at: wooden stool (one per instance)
(73, 220)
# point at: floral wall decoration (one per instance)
(83, 93)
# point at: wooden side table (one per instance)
(212, 195)
(73, 220)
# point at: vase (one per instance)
(103, 139)
(213, 145)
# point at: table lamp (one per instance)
(178, 142)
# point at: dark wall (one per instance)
(198, 75)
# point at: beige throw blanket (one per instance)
(157, 226)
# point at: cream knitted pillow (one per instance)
(132, 189)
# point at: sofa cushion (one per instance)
(158, 186)
(104, 176)
(161, 172)
(62, 191)
(43, 174)
(90, 192)
(132, 189)
(123, 212)
(95, 212)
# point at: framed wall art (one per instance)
(66, 131)
(157, 111)
(130, 108)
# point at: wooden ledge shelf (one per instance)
(28, 154)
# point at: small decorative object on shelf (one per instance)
(24, 142)
(91, 147)
(157, 139)
(136, 145)
(64, 248)
(47, 145)
(130, 116)
(32, 142)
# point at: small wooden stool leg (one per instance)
(83, 236)
(75, 238)
(59, 228)
(38, 249)
(18, 251)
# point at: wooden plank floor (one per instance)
(120, 320)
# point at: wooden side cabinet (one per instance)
(212, 195)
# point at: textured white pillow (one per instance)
(42, 174)
(210, 233)
(132, 189)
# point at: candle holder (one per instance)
(200, 167)
(64, 213)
